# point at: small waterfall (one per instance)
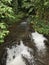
(39, 41)
(16, 54)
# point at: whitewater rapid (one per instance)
(16, 54)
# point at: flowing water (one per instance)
(16, 54)
(24, 47)
(39, 41)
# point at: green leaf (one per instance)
(46, 3)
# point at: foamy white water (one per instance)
(15, 54)
(17, 61)
(39, 41)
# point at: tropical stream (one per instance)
(24, 46)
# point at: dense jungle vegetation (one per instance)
(12, 11)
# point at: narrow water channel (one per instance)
(24, 47)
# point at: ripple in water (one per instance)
(16, 54)
(39, 41)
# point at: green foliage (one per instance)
(14, 10)
(42, 26)
(15, 6)
(6, 13)
(38, 12)
(3, 32)
(5, 10)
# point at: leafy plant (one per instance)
(3, 32)
(38, 12)
(6, 13)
